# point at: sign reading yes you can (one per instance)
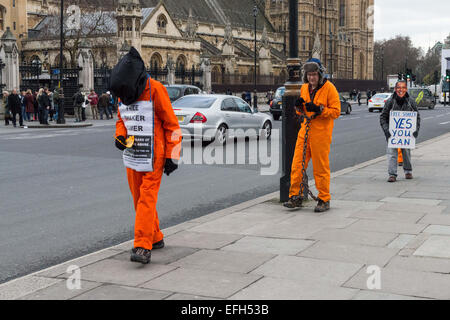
(402, 125)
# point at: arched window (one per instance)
(56, 62)
(155, 61)
(181, 62)
(162, 24)
(216, 75)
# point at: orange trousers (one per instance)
(144, 187)
(318, 149)
(400, 156)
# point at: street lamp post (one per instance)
(290, 123)
(255, 98)
(331, 55)
(61, 119)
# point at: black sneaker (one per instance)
(294, 202)
(322, 206)
(141, 255)
(158, 245)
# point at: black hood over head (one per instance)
(129, 77)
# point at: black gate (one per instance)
(70, 84)
(188, 76)
(31, 77)
(158, 73)
(102, 77)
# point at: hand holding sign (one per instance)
(402, 126)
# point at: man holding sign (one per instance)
(400, 121)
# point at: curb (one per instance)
(58, 126)
(227, 211)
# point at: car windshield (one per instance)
(194, 102)
(382, 96)
(280, 93)
(174, 93)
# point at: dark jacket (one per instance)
(44, 100)
(29, 103)
(392, 104)
(14, 103)
(78, 99)
(103, 102)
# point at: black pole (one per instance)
(290, 123)
(61, 119)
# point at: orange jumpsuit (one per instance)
(144, 186)
(319, 140)
(400, 156)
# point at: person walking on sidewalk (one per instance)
(44, 105)
(145, 113)
(400, 101)
(319, 99)
(29, 105)
(103, 103)
(15, 106)
(78, 100)
(93, 100)
(7, 109)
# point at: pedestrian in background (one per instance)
(36, 106)
(369, 95)
(103, 104)
(111, 108)
(44, 105)
(51, 110)
(400, 101)
(78, 100)
(23, 106)
(7, 110)
(29, 105)
(15, 106)
(359, 98)
(93, 100)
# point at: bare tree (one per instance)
(84, 20)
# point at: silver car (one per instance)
(219, 117)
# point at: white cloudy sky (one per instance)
(424, 21)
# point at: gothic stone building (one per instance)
(187, 32)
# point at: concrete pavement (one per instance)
(379, 241)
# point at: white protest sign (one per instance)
(402, 125)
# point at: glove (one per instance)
(170, 166)
(311, 107)
(387, 134)
(416, 134)
(299, 103)
(120, 145)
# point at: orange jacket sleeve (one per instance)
(172, 131)
(121, 130)
(332, 110)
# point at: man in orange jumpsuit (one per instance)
(145, 112)
(318, 99)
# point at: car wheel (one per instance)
(370, 110)
(276, 117)
(432, 106)
(266, 130)
(221, 135)
(349, 110)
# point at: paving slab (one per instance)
(438, 229)
(23, 286)
(350, 253)
(411, 201)
(375, 295)
(307, 270)
(425, 194)
(387, 226)
(418, 263)
(418, 240)
(405, 282)
(435, 246)
(206, 283)
(201, 240)
(60, 291)
(299, 227)
(120, 272)
(411, 207)
(401, 241)
(366, 238)
(115, 292)
(411, 217)
(162, 256)
(238, 222)
(269, 245)
(221, 260)
(79, 262)
(269, 288)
